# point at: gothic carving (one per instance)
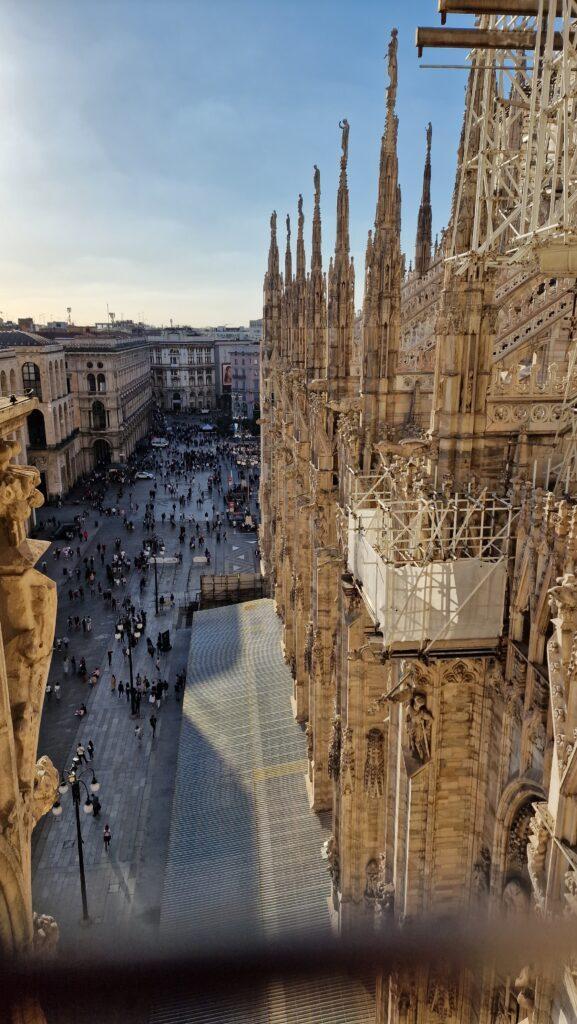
(482, 873)
(379, 440)
(347, 769)
(331, 855)
(519, 832)
(310, 741)
(45, 788)
(308, 646)
(374, 774)
(418, 728)
(563, 601)
(45, 936)
(334, 762)
(537, 846)
(442, 996)
(377, 890)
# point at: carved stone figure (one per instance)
(515, 899)
(347, 770)
(374, 774)
(330, 853)
(45, 788)
(482, 872)
(563, 600)
(45, 936)
(310, 741)
(418, 725)
(372, 880)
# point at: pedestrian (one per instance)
(127, 692)
(107, 836)
(113, 684)
(153, 721)
(57, 691)
(65, 665)
(81, 754)
(120, 688)
(90, 749)
(96, 806)
(138, 733)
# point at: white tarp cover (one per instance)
(463, 599)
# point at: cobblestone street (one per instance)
(137, 779)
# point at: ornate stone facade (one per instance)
(449, 763)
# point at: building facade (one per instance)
(419, 530)
(32, 364)
(183, 370)
(109, 379)
(238, 376)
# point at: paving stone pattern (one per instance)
(245, 849)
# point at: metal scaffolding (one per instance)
(518, 173)
(431, 568)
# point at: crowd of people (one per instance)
(207, 484)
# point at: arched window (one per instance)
(3, 384)
(91, 381)
(101, 383)
(12, 381)
(31, 379)
(36, 429)
(98, 416)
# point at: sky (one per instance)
(144, 143)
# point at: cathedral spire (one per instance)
(383, 275)
(273, 267)
(341, 287)
(387, 212)
(288, 260)
(316, 347)
(316, 255)
(301, 262)
(425, 220)
(342, 242)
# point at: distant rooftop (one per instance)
(12, 338)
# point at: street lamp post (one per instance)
(75, 786)
(131, 629)
(157, 547)
(75, 780)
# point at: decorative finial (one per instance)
(429, 139)
(344, 126)
(300, 209)
(393, 70)
(288, 228)
(273, 223)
